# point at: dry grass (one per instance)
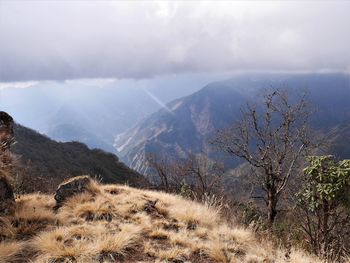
(11, 251)
(115, 223)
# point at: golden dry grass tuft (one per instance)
(11, 251)
(116, 223)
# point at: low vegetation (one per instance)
(117, 223)
(324, 202)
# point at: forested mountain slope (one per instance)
(43, 163)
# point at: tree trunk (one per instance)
(324, 230)
(271, 208)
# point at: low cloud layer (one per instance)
(61, 40)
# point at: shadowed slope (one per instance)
(47, 162)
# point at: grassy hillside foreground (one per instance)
(116, 223)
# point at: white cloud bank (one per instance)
(94, 39)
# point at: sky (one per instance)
(67, 40)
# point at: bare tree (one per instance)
(271, 136)
(161, 168)
(205, 173)
(201, 173)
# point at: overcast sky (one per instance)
(47, 40)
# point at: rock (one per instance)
(6, 131)
(71, 187)
(6, 140)
(7, 200)
(6, 122)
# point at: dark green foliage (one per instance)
(185, 190)
(324, 203)
(328, 182)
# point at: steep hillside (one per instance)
(77, 109)
(185, 125)
(72, 132)
(45, 163)
(188, 123)
(50, 106)
(114, 223)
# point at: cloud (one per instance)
(61, 40)
(18, 85)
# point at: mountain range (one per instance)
(93, 111)
(185, 124)
(188, 124)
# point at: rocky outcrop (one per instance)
(7, 200)
(6, 131)
(73, 186)
(6, 140)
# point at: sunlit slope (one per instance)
(114, 223)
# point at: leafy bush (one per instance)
(324, 201)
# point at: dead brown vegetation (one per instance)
(116, 223)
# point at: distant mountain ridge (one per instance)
(45, 162)
(93, 111)
(188, 123)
